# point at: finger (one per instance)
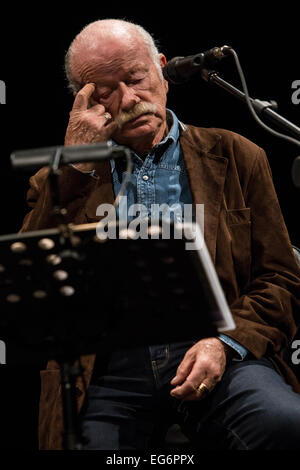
(183, 371)
(193, 377)
(108, 119)
(210, 375)
(182, 391)
(196, 395)
(203, 389)
(189, 392)
(100, 111)
(82, 98)
(97, 109)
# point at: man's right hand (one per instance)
(88, 124)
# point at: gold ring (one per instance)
(202, 388)
(107, 116)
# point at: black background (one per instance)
(33, 43)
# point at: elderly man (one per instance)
(233, 391)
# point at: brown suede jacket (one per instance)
(245, 234)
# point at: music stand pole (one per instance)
(72, 439)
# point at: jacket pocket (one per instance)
(239, 225)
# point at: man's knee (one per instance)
(278, 425)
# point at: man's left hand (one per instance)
(204, 363)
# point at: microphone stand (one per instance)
(264, 108)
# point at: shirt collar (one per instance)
(173, 125)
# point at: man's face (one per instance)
(130, 88)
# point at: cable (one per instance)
(251, 109)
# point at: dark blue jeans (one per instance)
(128, 404)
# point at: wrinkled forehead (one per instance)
(108, 55)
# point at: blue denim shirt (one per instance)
(160, 177)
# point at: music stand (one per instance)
(58, 297)
(55, 275)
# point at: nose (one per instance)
(128, 97)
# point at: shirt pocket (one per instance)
(239, 225)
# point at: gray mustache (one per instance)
(139, 109)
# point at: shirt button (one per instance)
(145, 178)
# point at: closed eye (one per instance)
(134, 81)
(105, 95)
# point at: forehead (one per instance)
(110, 57)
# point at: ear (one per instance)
(163, 61)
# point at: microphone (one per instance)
(180, 69)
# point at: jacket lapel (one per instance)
(206, 172)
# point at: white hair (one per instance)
(107, 27)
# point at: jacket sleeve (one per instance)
(37, 184)
(267, 312)
(74, 186)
